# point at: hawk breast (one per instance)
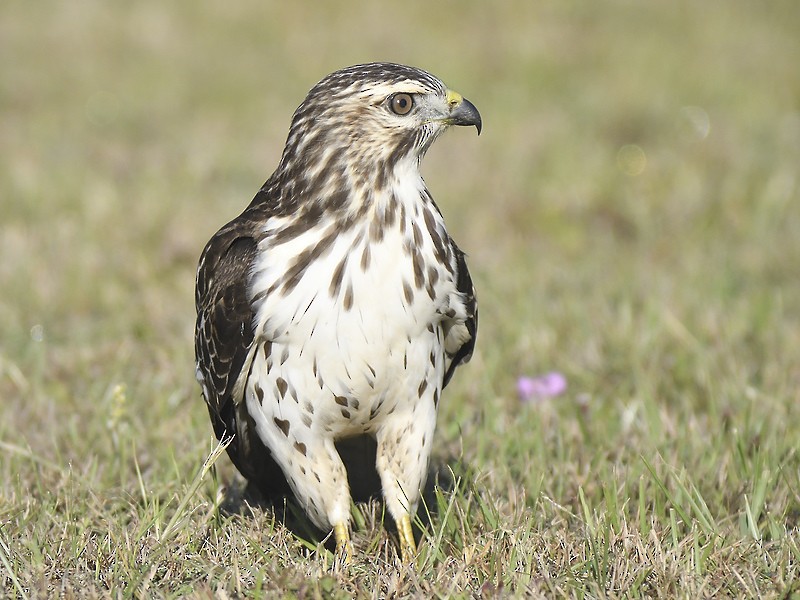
(360, 304)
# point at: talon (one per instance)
(344, 548)
(408, 548)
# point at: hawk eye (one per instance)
(401, 104)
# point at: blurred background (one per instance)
(637, 158)
(630, 212)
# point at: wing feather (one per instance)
(223, 340)
(460, 336)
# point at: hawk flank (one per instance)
(336, 305)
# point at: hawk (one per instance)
(337, 305)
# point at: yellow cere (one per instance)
(453, 98)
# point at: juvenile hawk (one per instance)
(336, 304)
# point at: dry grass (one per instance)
(633, 220)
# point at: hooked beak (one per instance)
(462, 111)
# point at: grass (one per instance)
(633, 220)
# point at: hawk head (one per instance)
(375, 115)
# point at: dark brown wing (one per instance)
(223, 337)
(460, 338)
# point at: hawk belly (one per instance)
(354, 346)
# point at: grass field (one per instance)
(632, 216)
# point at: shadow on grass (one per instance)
(358, 454)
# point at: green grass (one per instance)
(632, 217)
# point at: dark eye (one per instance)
(401, 104)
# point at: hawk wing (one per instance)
(459, 340)
(223, 338)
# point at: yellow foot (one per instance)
(344, 548)
(408, 548)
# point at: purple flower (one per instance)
(549, 385)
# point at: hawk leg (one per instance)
(318, 478)
(344, 547)
(402, 462)
(408, 547)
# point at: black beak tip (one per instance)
(467, 114)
